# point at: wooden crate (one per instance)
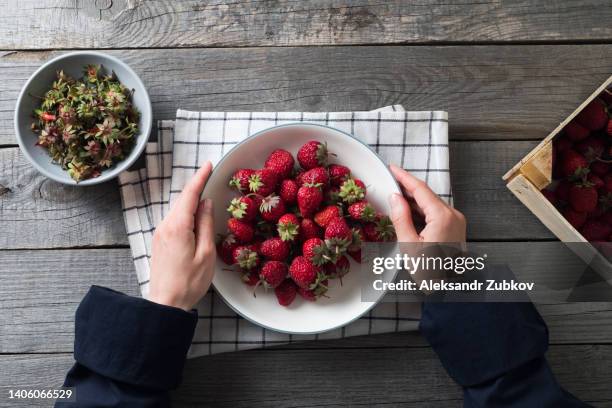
(534, 173)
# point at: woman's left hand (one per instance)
(183, 259)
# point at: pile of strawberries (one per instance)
(582, 162)
(292, 228)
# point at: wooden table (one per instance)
(506, 73)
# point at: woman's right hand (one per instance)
(442, 222)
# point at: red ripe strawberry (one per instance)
(313, 154)
(240, 180)
(338, 269)
(338, 237)
(356, 255)
(316, 251)
(288, 191)
(609, 128)
(271, 208)
(257, 199)
(288, 227)
(309, 199)
(316, 176)
(600, 168)
(262, 182)
(591, 148)
(307, 294)
(242, 231)
(298, 177)
(286, 292)
(312, 295)
(338, 228)
(281, 162)
(309, 229)
(577, 219)
(583, 197)
(362, 211)
(274, 249)
(607, 218)
(593, 116)
(380, 230)
(352, 190)
(338, 173)
(243, 208)
(573, 164)
(251, 277)
(225, 248)
(328, 213)
(550, 196)
(562, 190)
(246, 257)
(595, 180)
(575, 131)
(562, 145)
(594, 230)
(304, 273)
(273, 273)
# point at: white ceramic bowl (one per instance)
(344, 303)
(40, 82)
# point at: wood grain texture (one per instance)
(490, 92)
(39, 24)
(287, 378)
(42, 288)
(38, 213)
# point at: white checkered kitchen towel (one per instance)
(418, 141)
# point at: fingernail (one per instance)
(208, 205)
(394, 200)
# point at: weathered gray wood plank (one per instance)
(42, 288)
(480, 193)
(33, 24)
(325, 378)
(399, 377)
(490, 92)
(39, 213)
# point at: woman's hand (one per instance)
(442, 222)
(182, 264)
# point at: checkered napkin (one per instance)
(418, 141)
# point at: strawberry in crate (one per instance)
(582, 170)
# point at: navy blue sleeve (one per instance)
(128, 351)
(495, 351)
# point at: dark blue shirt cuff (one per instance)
(477, 342)
(132, 340)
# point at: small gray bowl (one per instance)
(40, 82)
